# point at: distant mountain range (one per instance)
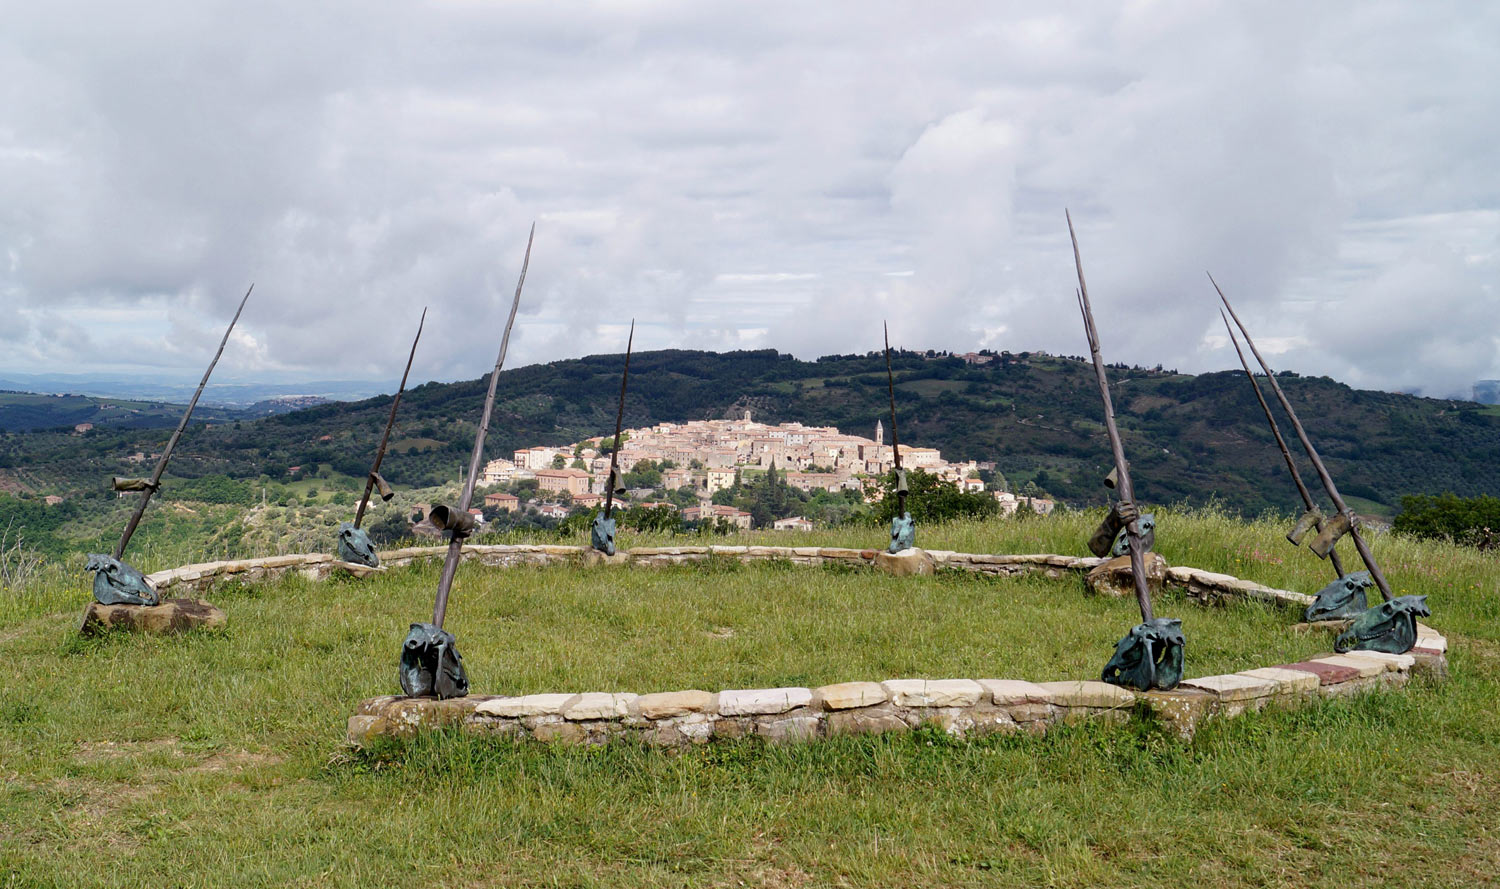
(226, 393)
(1037, 416)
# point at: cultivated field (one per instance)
(217, 759)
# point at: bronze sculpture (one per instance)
(903, 526)
(1151, 654)
(116, 582)
(602, 534)
(354, 544)
(430, 662)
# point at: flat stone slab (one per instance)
(525, 705)
(848, 695)
(171, 616)
(907, 563)
(1234, 686)
(758, 701)
(1008, 692)
(598, 705)
(1287, 681)
(1088, 693)
(1328, 674)
(933, 692)
(1394, 663)
(667, 704)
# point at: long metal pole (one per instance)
(166, 454)
(1312, 454)
(390, 421)
(1127, 492)
(614, 451)
(1291, 465)
(455, 542)
(890, 383)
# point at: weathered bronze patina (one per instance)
(903, 526)
(431, 664)
(1390, 627)
(114, 578)
(602, 533)
(116, 583)
(1157, 642)
(1342, 599)
(1150, 656)
(354, 544)
(1147, 524)
(433, 654)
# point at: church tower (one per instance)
(879, 432)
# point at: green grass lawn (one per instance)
(216, 759)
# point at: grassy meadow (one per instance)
(216, 759)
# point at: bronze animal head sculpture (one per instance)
(431, 664)
(1390, 627)
(1150, 656)
(354, 545)
(116, 583)
(1342, 599)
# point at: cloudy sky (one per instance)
(747, 175)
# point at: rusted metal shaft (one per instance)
(1127, 492)
(890, 383)
(456, 542)
(390, 421)
(614, 452)
(166, 454)
(1312, 454)
(1291, 465)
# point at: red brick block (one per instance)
(1328, 674)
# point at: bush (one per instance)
(1468, 521)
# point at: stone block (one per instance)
(866, 721)
(933, 692)
(1088, 693)
(907, 563)
(1007, 692)
(1181, 710)
(598, 705)
(171, 616)
(800, 725)
(363, 730)
(756, 701)
(848, 695)
(1367, 667)
(1234, 686)
(668, 704)
(1114, 577)
(1287, 681)
(525, 705)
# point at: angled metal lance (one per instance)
(903, 526)
(1345, 518)
(1151, 654)
(116, 582)
(430, 662)
(354, 544)
(1309, 505)
(602, 534)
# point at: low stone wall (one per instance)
(1205, 586)
(960, 707)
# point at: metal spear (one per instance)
(1127, 493)
(390, 421)
(456, 543)
(1312, 454)
(614, 453)
(890, 382)
(1291, 465)
(166, 454)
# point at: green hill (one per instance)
(1189, 438)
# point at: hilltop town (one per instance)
(699, 458)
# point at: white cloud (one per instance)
(776, 174)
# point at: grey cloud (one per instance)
(739, 175)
